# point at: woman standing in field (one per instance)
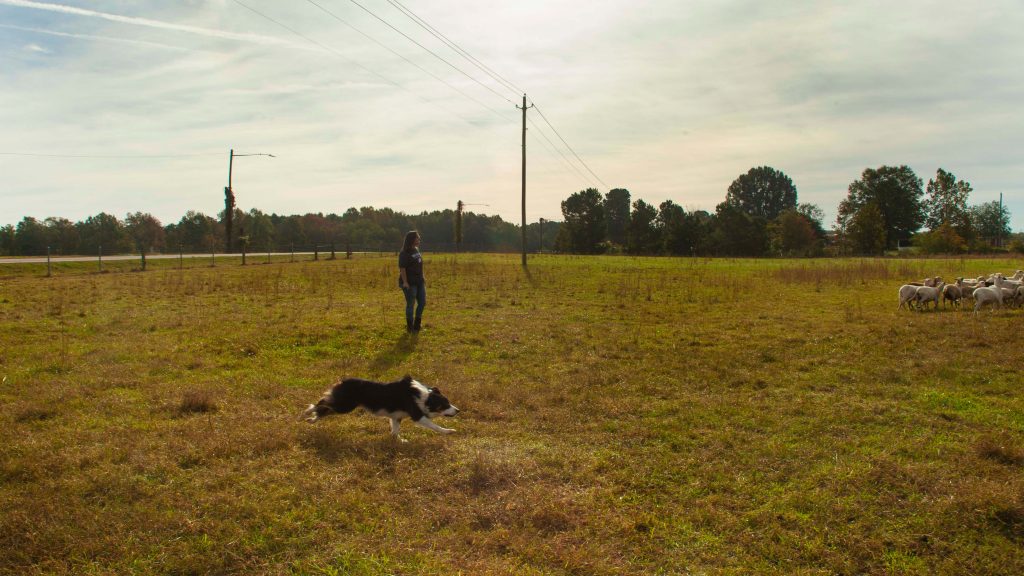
(410, 269)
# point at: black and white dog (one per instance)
(405, 398)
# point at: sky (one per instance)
(124, 106)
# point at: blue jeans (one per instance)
(414, 293)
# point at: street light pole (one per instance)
(229, 198)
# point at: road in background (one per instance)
(55, 259)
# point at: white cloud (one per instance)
(36, 48)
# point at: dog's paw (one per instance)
(447, 430)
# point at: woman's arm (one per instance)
(405, 278)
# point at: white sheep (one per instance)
(987, 295)
(1005, 287)
(907, 294)
(926, 294)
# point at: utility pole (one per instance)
(229, 205)
(229, 199)
(541, 249)
(524, 176)
(1000, 219)
(459, 209)
(458, 225)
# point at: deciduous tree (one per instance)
(947, 202)
(866, 230)
(896, 193)
(991, 221)
(146, 231)
(763, 192)
(793, 234)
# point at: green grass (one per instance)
(620, 416)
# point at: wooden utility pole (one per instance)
(1000, 219)
(524, 177)
(229, 205)
(458, 225)
(229, 198)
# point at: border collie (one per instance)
(405, 398)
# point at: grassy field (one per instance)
(620, 416)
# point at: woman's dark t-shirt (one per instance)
(413, 264)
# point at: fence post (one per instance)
(100, 257)
(48, 273)
(243, 253)
(293, 251)
(316, 252)
(143, 252)
(213, 255)
(181, 257)
(348, 250)
(268, 253)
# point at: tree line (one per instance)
(363, 229)
(886, 208)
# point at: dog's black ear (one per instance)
(407, 379)
(437, 390)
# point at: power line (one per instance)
(322, 46)
(342, 56)
(492, 74)
(434, 54)
(458, 49)
(422, 69)
(553, 148)
(569, 147)
(553, 168)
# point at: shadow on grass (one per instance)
(399, 351)
(332, 446)
(529, 277)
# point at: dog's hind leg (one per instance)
(319, 410)
(306, 414)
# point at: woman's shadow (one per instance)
(399, 351)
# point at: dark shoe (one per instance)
(416, 326)
(409, 327)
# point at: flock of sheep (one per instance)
(995, 290)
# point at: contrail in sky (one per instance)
(101, 38)
(210, 32)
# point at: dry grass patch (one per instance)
(197, 402)
(1001, 448)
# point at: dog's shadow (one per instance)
(332, 447)
(399, 351)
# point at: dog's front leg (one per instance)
(395, 424)
(428, 423)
